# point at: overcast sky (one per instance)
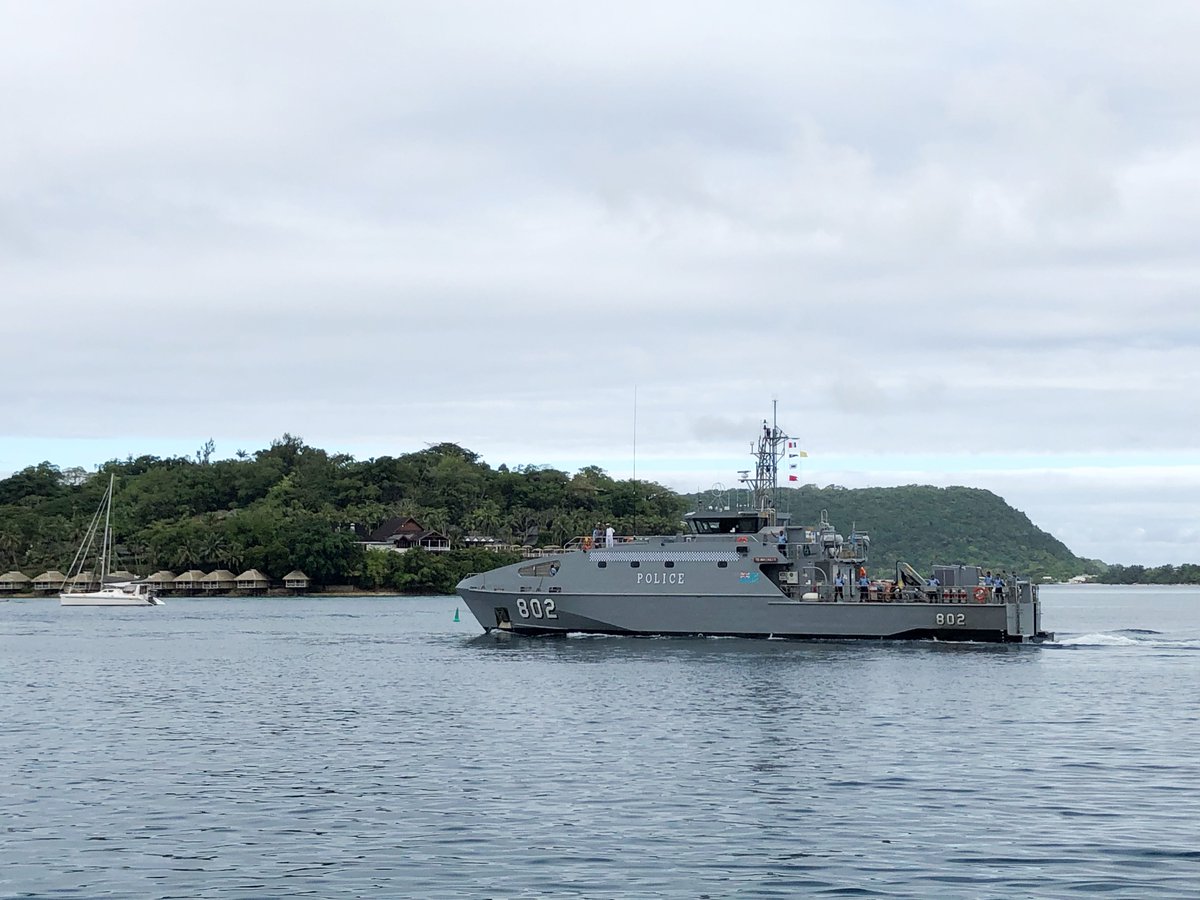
(958, 242)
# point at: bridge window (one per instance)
(727, 524)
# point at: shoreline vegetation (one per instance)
(294, 508)
(349, 592)
(329, 592)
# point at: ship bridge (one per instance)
(743, 521)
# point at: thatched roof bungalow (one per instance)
(189, 581)
(296, 580)
(14, 582)
(49, 581)
(221, 581)
(253, 581)
(163, 579)
(84, 581)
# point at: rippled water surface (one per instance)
(376, 748)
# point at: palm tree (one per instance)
(10, 545)
(524, 523)
(484, 519)
(234, 555)
(186, 555)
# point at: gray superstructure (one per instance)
(749, 573)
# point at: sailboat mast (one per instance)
(104, 546)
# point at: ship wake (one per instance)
(1128, 637)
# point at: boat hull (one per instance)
(739, 584)
(107, 598)
(737, 615)
(748, 572)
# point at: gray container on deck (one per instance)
(957, 576)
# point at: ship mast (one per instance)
(768, 451)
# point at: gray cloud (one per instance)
(965, 230)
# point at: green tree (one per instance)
(41, 482)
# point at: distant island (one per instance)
(294, 510)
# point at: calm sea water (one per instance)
(376, 748)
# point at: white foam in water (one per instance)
(1099, 639)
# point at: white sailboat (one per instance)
(95, 587)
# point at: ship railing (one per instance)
(587, 542)
(537, 552)
(959, 593)
(974, 594)
(890, 592)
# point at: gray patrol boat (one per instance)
(749, 573)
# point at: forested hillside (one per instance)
(295, 506)
(924, 525)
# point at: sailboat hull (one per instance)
(107, 598)
(111, 591)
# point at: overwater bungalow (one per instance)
(220, 581)
(14, 583)
(189, 582)
(162, 581)
(253, 581)
(49, 581)
(296, 581)
(84, 581)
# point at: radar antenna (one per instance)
(717, 498)
(768, 450)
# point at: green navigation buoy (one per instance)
(456, 614)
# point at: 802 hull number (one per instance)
(536, 609)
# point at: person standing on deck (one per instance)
(838, 584)
(999, 587)
(864, 586)
(608, 535)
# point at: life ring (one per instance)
(980, 595)
(743, 540)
